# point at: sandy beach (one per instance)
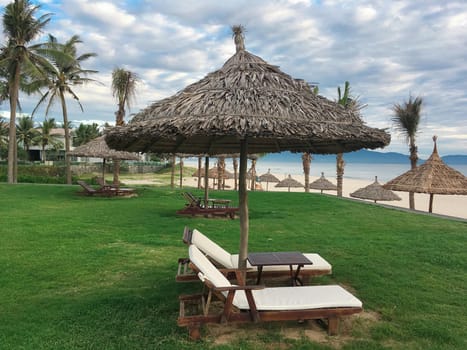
(449, 205)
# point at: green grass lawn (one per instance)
(98, 273)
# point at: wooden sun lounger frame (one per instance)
(230, 314)
(106, 191)
(186, 273)
(197, 207)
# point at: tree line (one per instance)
(50, 69)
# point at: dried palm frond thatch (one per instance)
(247, 106)
(289, 182)
(323, 184)
(433, 177)
(375, 192)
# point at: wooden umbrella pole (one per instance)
(243, 205)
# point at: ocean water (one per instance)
(363, 171)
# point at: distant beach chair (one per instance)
(197, 206)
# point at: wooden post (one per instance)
(430, 206)
(243, 205)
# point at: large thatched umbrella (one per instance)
(323, 184)
(289, 182)
(248, 106)
(98, 148)
(433, 177)
(268, 177)
(375, 192)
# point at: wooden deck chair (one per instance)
(197, 207)
(114, 189)
(91, 191)
(224, 259)
(256, 303)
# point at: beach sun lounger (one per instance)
(224, 259)
(260, 304)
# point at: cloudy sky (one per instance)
(387, 50)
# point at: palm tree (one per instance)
(3, 133)
(124, 90)
(20, 28)
(64, 73)
(406, 120)
(85, 133)
(306, 156)
(25, 132)
(45, 138)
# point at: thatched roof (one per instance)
(268, 177)
(323, 184)
(213, 173)
(375, 192)
(98, 148)
(246, 98)
(433, 176)
(289, 182)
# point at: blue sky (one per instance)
(387, 50)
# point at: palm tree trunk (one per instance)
(181, 172)
(235, 166)
(12, 146)
(67, 137)
(200, 165)
(306, 160)
(413, 165)
(340, 173)
(253, 175)
(172, 173)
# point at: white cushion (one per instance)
(298, 298)
(211, 249)
(207, 268)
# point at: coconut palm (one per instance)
(3, 133)
(406, 120)
(25, 132)
(64, 73)
(45, 138)
(124, 90)
(20, 28)
(85, 133)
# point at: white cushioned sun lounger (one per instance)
(268, 304)
(230, 261)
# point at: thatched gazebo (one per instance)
(98, 148)
(375, 192)
(247, 106)
(323, 184)
(289, 182)
(268, 177)
(433, 177)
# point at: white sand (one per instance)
(442, 204)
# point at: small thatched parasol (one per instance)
(375, 192)
(248, 106)
(433, 177)
(323, 184)
(289, 182)
(268, 177)
(98, 148)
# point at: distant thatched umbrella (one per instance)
(375, 192)
(433, 177)
(268, 177)
(98, 148)
(248, 106)
(323, 184)
(289, 182)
